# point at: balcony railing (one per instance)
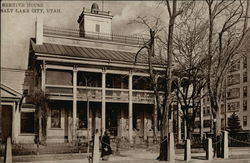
(59, 90)
(75, 33)
(143, 96)
(91, 93)
(95, 94)
(113, 94)
(97, 11)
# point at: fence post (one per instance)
(209, 152)
(147, 141)
(95, 154)
(171, 151)
(134, 142)
(187, 154)
(225, 144)
(8, 151)
(118, 141)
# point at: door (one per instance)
(111, 121)
(6, 122)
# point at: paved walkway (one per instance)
(237, 155)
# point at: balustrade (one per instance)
(95, 94)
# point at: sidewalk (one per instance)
(143, 156)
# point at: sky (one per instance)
(18, 27)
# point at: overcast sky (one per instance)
(16, 28)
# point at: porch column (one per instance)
(74, 102)
(43, 76)
(14, 122)
(145, 127)
(130, 108)
(103, 101)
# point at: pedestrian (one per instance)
(106, 148)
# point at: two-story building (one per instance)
(91, 80)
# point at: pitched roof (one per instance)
(7, 92)
(86, 52)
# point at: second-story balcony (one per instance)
(95, 94)
(89, 87)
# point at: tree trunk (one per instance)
(155, 122)
(218, 135)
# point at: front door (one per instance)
(6, 122)
(111, 121)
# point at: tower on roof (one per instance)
(93, 21)
(94, 8)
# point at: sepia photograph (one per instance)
(125, 81)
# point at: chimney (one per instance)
(39, 30)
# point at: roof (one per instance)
(7, 92)
(86, 52)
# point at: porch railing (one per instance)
(143, 96)
(95, 94)
(59, 90)
(113, 94)
(91, 93)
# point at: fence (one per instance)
(239, 140)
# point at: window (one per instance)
(235, 66)
(141, 83)
(55, 118)
(244, 62)
(25, 92)
(233, 106)
(233, 79)
(82, 118)
(197, 124)
(89, 79)
(245, 91)
(136, 120)
(207, 123)
(244, 120)
(222, 108)
(233, 93)
(27, 122)
(97, 27)
(245, 105)
(244, 76)
(55, 77)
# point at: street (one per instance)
(239, 155)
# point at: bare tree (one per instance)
(227, 28)
(164, 107)
(189, 40)
(154, 26)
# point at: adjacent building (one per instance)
(236, 94)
